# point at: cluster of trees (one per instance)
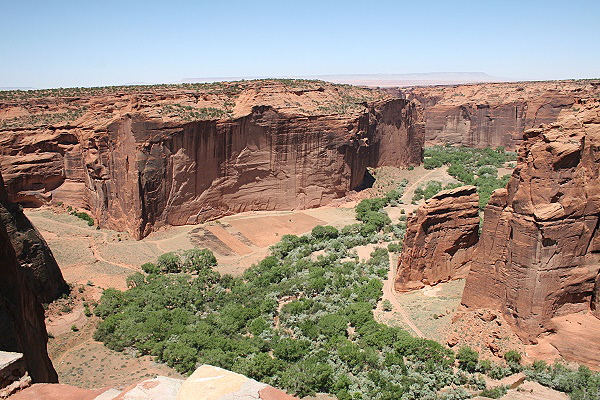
(295, 320)
(193, 260)
(478, 167)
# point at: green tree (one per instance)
(467, 359)
(198, 259)
(169, 263)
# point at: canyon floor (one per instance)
(94, 259)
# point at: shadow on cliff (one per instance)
(367, 182)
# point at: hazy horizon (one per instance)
(67, 43)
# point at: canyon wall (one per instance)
(22, 327)
(538, 255)
(140, 161)
(494, 114)
(439, 240)
(33, 254)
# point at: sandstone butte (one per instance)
(439, 240)
(494, 114)
(538, 255)
(22, 327)
(142, 157)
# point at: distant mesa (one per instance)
(380, 80)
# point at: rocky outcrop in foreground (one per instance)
(538, 255)
(206, 383)
(22, 327)
(494, 114)
(439, 239)
(143, 157)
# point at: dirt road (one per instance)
(388, 293)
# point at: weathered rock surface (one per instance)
(140, 159)
(206, 383)
(32, 251)
(538, 255)
(439, 239)
(22, 326)
(494, 114)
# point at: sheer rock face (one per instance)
(539, 252)
(494, 114)
(22, 327)
(33, 254)
(140, 168)
(439, 240)
(264, 161)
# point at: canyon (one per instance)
(141, 160)
(494, 114)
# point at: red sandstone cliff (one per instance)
(22, 327)
(539, 252)
(180, 155)
(439, 240)
(494, 114)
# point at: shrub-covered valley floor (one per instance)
(302, 318)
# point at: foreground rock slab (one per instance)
(206, 383)
(213, 383)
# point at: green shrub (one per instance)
(324, 232)
(198, 259)
(85, 216)
(495, 392)
(169, 263)
(467, 359)
(512, 357)
(150, 268)
(395, 247)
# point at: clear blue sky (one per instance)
(56, 43)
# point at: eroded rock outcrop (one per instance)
(439, 239)
(22, 326)
(538, 256)
(32, 251)
(494, 114)
(178, 156)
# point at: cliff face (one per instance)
(539, 252)
(22, 327)
(174, 157)
(494, 114)
(439, 240)
(33, 254)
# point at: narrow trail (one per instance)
(413, 185)
(389, 294)
(98, 256)
(71, 350)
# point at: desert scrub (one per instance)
(84, 216)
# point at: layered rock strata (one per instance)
(538, 256)
(141, 160)
(439, 239)
(22, 326)
(494, 114)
